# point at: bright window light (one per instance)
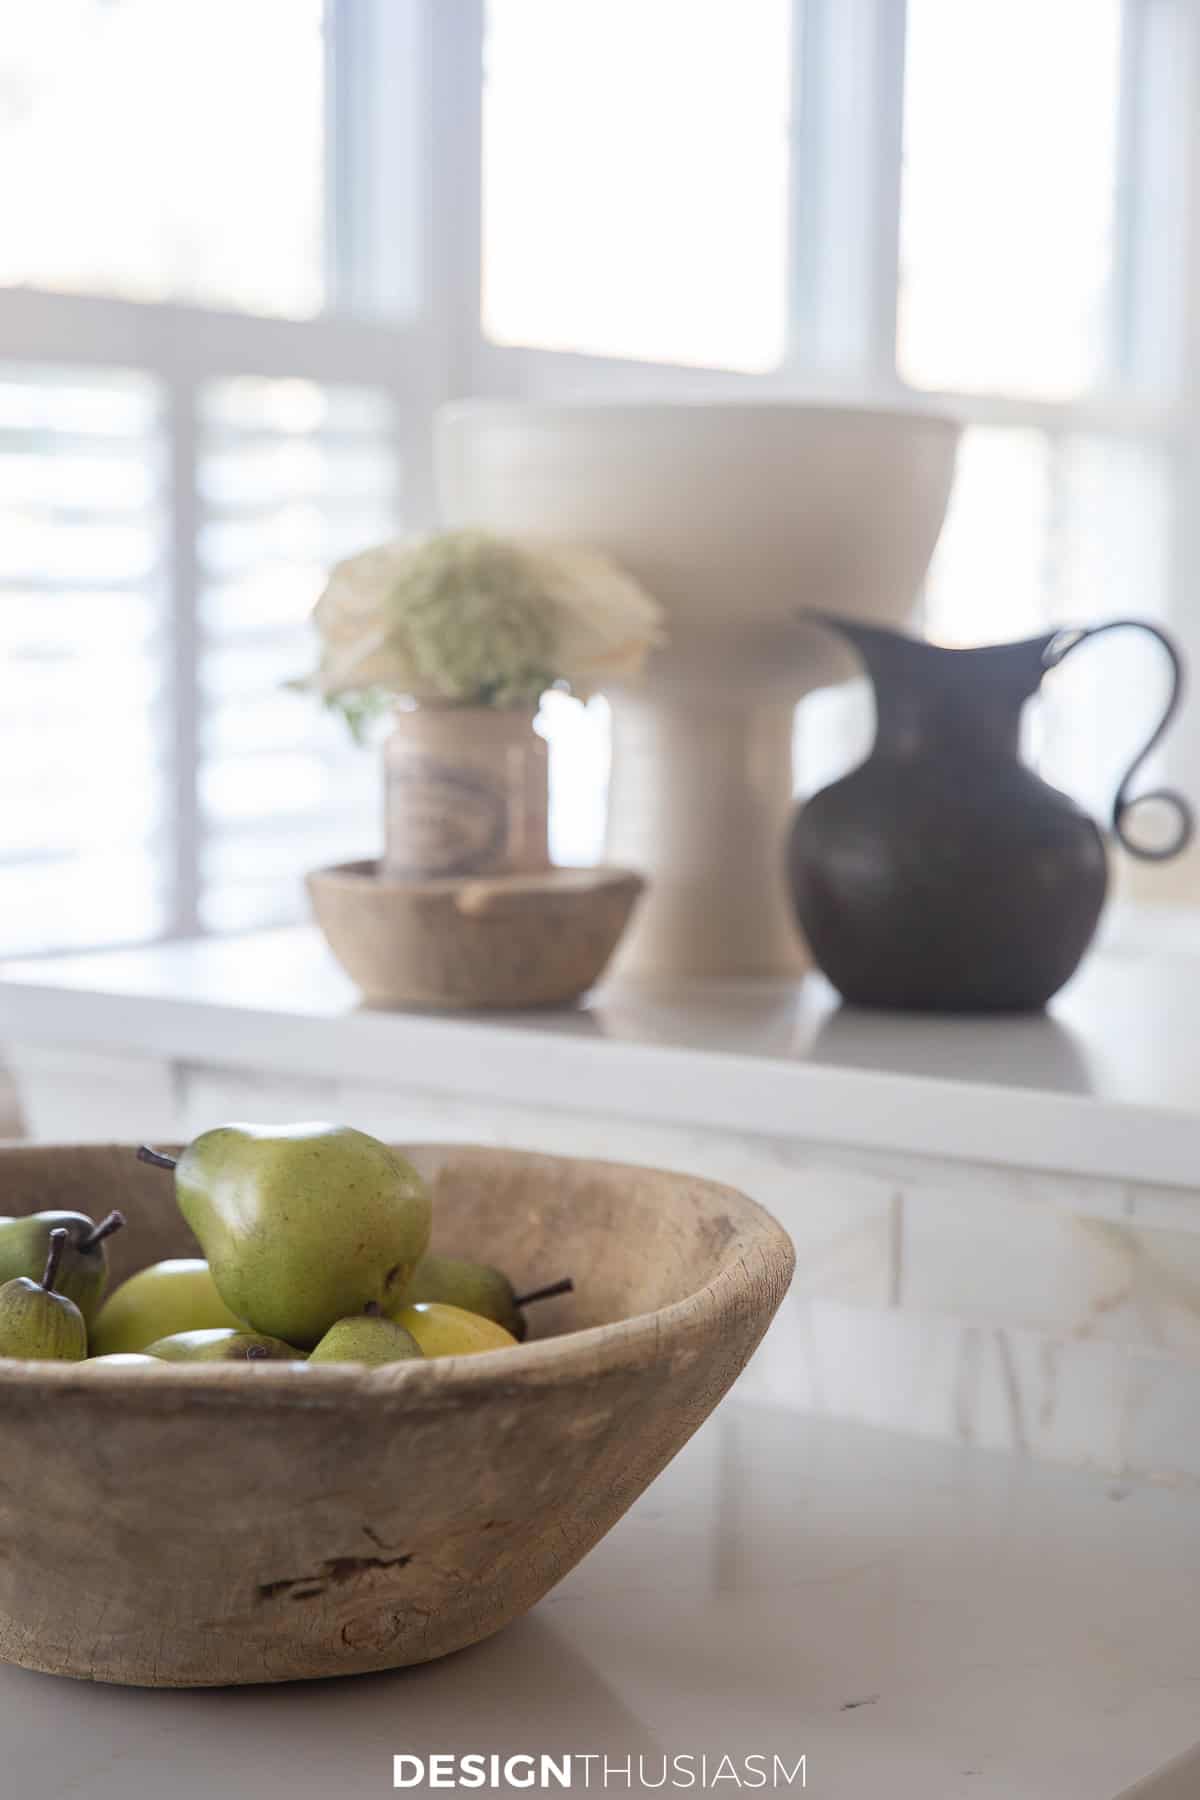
(1008, 216)
(158, 151)
(636, 178)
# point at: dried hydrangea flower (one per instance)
(473, 617)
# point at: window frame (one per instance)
(848, 61)
(382, 328)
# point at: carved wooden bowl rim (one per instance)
(557, 884)
(755, 1266)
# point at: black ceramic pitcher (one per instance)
(943, 875)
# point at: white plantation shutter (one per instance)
(291, 476)
(219, 357)
(84, 799)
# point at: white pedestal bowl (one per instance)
(736, 517)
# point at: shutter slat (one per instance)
(82, 528)
(291, 476)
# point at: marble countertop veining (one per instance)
(919, 1621)
(1107, 1083)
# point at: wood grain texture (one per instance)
(209, 1524)
(505, 941)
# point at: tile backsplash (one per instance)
(1044, 1314)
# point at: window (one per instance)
(1008, 261)
(984, 208)
(82, 536)
(255, 243)
(165, 151)
(204, 400)
(622, 144)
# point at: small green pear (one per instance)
(302, 1225)
(166, 1297)
(367, 1338)
(222, 1345)
(444, 1330)
(37, 1323)
(83, 1272)
(475, 1288)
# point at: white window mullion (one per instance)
(182, 730)
(342, 117)
(848, 101)
(1130, 202)
(888, 32)
(454, 37)
(1182, 751)
(377, 156)
(807, 149)
(402, 200)
(1157, 126)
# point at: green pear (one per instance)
(475, 1288)
(176, 1295)
(367, 1338)
(36, 1322)
(222, 1346)
(83, 1272)
(444, 1330)
(302, 1225)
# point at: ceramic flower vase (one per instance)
(466, 793)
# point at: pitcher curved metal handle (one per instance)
(1060, 647)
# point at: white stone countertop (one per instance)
(921, 1622)
(1108, 1083)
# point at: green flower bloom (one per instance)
(474, 614)
(473, 618)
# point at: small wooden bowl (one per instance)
(498, 941)
(200, 1525)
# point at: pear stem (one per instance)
(58, 1243)
(105, 1228)
(565, 1286)
(147, 1155)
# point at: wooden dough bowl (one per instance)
(199, 1525)
(488, 941)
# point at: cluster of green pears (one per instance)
(316, 1248)
(54, 1272)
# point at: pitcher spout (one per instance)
(893, 659)
(930, 691)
